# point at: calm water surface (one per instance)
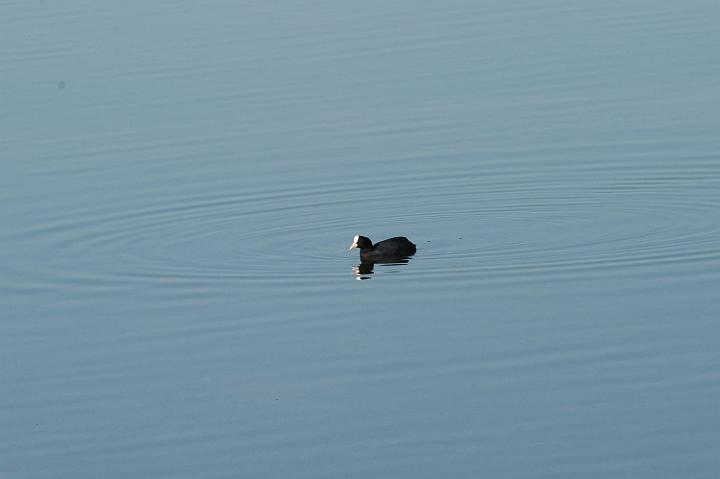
(181, 180)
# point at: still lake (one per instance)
(180, 182)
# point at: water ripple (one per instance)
(493, 224)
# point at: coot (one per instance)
(393, 248)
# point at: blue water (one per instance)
(181, 180)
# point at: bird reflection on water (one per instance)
(365, 269)
(390, 252)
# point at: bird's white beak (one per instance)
(354, 243)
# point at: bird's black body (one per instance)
(393, 248)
